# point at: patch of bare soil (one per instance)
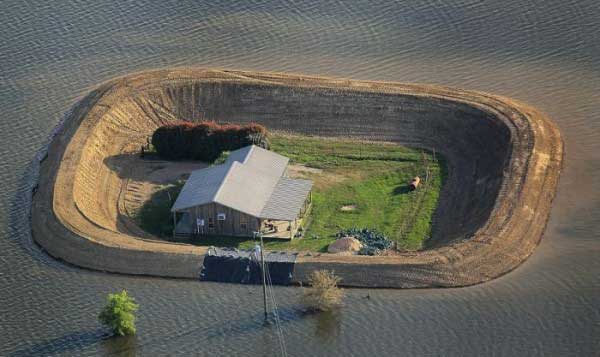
(323, 178)
(348, 208)
(298, 170)
(141, 178)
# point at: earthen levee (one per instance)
(504, 160)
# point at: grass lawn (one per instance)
(155, 215)
(356, 184)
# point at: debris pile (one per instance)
(373, 242)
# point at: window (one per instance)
(211, 223)
(243, 222)
(221, 216)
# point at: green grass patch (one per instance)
(155, 215)
(371, 176)
(369, 179)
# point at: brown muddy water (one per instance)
(546, 53)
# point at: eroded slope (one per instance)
(504, 159)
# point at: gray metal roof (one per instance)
(287, 199)
(246, 189)
(201, 187)
(260, 159)
(250, 181)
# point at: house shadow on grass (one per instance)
(154, 216)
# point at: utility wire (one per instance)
(276, 313)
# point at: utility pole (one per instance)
(264, 275)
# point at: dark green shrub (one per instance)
(173, 141)
(228, 137)
(206, 140)
(255, 134)
(203, 142)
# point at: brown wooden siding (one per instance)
(230, 226)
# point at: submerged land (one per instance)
(357, 184)
(503, 160)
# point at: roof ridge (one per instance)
(249, 154)
(225, 177)
(246, 182)
(243, 167)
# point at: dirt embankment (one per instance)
(504, 162)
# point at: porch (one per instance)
(278, 229)
(286, 229)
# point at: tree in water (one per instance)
(323, 293)
(119, 313)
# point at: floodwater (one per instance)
(546, 53)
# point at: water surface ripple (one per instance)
(543, 52)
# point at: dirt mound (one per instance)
(504, 160)
(344, 245)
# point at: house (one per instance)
(250, 192)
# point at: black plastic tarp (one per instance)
(243, 270)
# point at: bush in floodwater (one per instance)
(323, 293)
(119, 313)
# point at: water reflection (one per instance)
(65, 344)
(327, 325)
(544, 53)
(125, 346)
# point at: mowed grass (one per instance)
(370, 179)
(155, 216)
(374, 178)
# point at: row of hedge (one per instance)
(205, 140)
